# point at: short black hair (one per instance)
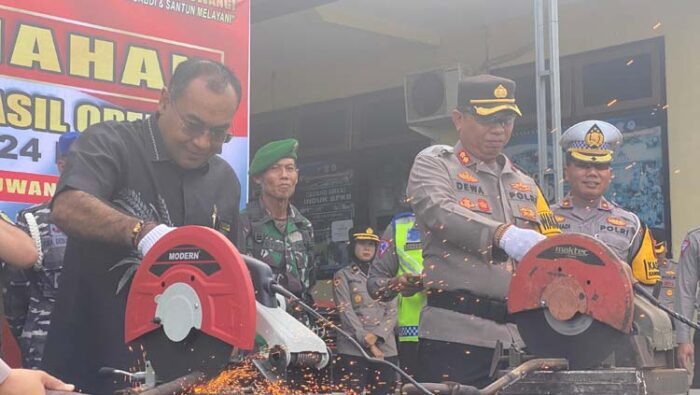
(219, 77)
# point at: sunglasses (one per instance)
(194, 130)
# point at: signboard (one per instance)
(324, 196)
(65, 65)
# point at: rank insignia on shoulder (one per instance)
(464, 157)
(615, 221)
(520, 187)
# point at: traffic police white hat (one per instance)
(591, 141)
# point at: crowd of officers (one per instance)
(429, 292)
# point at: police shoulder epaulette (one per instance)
(404, 215)
(693, 231)
(437, 150)
(519, 169)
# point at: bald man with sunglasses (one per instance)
(125, 185)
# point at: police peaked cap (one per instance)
(591, 141)
(487, 94)
(362, 233)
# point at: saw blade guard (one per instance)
(570, 276)
(193, 278)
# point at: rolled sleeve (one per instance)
(94, 163)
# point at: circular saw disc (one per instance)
(197, 352)
(587, 346)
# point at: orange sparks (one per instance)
(245, 379)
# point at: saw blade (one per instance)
(587, 345)
(197, 352)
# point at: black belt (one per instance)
(467, 303)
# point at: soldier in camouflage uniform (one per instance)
(31, 293)
(273, 230)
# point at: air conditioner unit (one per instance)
(430, 98)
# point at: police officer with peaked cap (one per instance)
(478, 215)
(589, 147)
(372, 322)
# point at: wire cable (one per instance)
(280, 289)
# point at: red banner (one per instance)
(65, 65)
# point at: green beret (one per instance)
(271, 152)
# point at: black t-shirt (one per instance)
(125, 164)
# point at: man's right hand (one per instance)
(32, 382)
(686, 356)
(151, 237)
(370, 339)
(376, 352)
(516, 242)
(407, 284)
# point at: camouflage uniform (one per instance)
(31, 292)
(289, 254)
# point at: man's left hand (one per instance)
(516, 242)
(32, 382)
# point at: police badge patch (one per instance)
(684, 246)
(383, 247)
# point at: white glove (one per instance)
(152, 237)
(516, 242)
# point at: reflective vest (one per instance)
(410, 255)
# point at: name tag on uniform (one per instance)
(295, 237)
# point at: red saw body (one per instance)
(574, 273)
(572, 298)
(191, 298)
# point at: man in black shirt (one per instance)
(126, 184)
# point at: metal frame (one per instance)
(551, 76)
